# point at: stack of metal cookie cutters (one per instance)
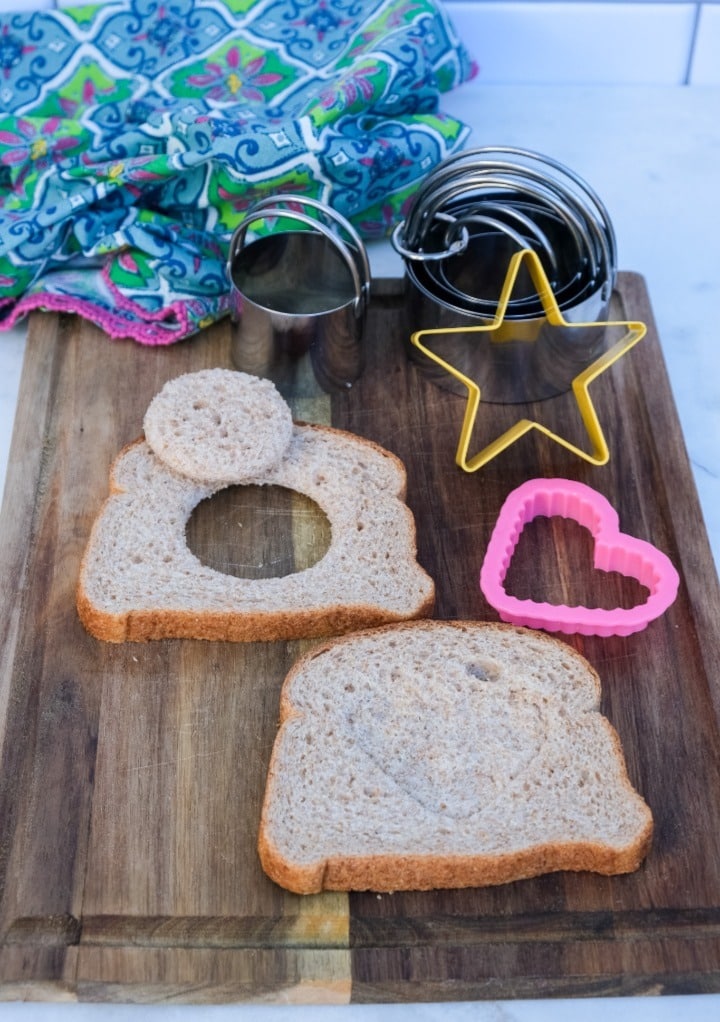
(467, 220)
(300, 286)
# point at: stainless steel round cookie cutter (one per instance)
(300, 287)
(469, 217)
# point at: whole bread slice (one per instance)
(139, 580)
(445, 754)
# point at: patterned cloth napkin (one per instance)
(134, 133)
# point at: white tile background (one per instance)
(590, 42)
(521, 42)
(593, 42)
(705, 66)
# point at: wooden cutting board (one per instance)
(132, 775)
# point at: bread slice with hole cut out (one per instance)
(139, 580)
(445, 754)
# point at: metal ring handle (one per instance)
(361, 284)
(593, 223)
(577, 180)
(479, 216)
(335, 218)
(455, 190)
(453, 248)
(481, 155)
(597, 226)
(487, 221)
(424, 213)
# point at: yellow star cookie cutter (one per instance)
(600, 454)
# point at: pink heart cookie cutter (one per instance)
(614, 551)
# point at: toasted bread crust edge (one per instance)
(428, 872)
(235, 626)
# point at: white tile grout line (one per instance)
(693, 44)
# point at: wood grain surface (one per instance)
(131, 776)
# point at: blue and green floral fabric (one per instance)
(133, 135)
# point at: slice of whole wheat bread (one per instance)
(445, 754)
(139, 580)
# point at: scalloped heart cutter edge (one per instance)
(614, 551)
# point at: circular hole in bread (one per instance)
(258, 531)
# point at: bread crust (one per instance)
(421, 871)
(389, 873)
(234, 626)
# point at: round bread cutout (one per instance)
(218, 426)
